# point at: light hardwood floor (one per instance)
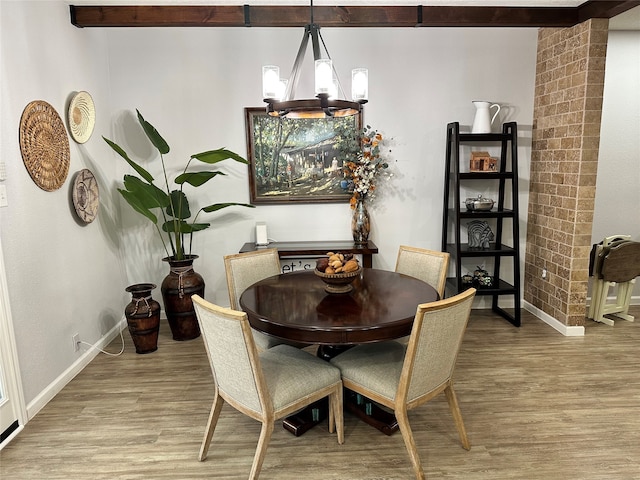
(536, 405)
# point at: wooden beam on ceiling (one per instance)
(354, 16)
(603, 9)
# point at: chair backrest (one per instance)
(621, 263)
(233, 355)
(245, 269)
(426, 265)
(433, 346)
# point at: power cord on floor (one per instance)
(105, 352)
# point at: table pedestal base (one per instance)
(307, 418)
(366, 410)
(370, 412)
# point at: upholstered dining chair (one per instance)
(402, 377)
(264, 386)
(245, 269)
(429, 266)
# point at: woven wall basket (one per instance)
(44, 145)
(81, 117)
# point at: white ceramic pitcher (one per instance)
(483, 119)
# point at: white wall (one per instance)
(63, 277)
(193, 84)
(618, 181)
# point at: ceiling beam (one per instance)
(354, 16)
(603, 9)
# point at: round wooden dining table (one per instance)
(295, 306)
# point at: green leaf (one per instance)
(215, 156)
(180, 226)
(153, 135)
(219, 206)
(148, 195)
(196, 178)
(135, 203)
(178, 206)
(141, 171)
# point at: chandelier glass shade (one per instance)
(279, 95)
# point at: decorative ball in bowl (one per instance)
(338, 282)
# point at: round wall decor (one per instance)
(81, 116)
(44, 145)
(86, 195)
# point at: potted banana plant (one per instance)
(169, 209)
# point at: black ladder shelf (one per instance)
(505, 211)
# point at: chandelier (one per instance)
(279, 94)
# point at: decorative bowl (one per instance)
(479, 203)
(338, 282)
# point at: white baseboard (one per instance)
(566, 330)
(65, 377)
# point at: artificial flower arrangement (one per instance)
(362, 173)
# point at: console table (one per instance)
(302, 249)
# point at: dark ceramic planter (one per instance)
(143, 317)
(177, 288)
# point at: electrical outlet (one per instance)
(76, 342)
(544, 273)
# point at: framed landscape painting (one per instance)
(299, 159)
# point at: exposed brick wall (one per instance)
(566, 136)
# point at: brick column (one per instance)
(564, 155)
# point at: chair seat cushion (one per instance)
(375, 366)
(284, 365)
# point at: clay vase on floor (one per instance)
(177, 288)
(143, 317)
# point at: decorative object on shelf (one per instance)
(482, 162)
(483, 119)
(360, 223)
(86, 196)
(479, 279)
(479, 203)
(143, 317)
(177, 288)
(362, 165)
(81, 116)
(144, 197)
(338, 270)
(44, 145)
(480, 234)
(279, 94)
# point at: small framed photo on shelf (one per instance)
(482, 162)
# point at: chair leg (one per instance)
(595, 295)
(261, 449)
(407, 436)
(336, 417)
(218, 401)
(623, 300)
(602, 304)
(457, 416)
